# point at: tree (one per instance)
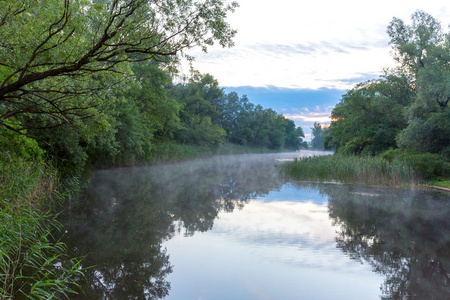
(369, 117)
(294, 136)
(59, 60)
(198, 113)
(423, 51)
(317, 142)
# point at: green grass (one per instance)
(441, 183)
(30, 261)
(366, 170)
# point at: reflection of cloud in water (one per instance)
(278, 246)
(288, 232)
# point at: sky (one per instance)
(300, 57)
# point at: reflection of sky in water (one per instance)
(281, 246)
(292, 194)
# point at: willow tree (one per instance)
(422, 50)
(59, 60)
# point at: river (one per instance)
(232, 227)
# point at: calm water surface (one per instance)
(230, 227)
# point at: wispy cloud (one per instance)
(306, 65)
(309, 118)
(315, 44)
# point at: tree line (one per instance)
(93, 81)
(404, 113)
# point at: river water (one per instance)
(232, 227)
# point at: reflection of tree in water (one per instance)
(121, 221)
(404, 235)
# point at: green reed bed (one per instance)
(352, 169)
(31, 263)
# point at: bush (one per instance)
(18, 145)
(426, 165)
(429, 165)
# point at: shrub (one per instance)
(429, 165)
(18, 145)
(426, 165)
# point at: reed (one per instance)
(32, 264)
(368, 170)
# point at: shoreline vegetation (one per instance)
(365, 170)
(73, 99)
(173, 152)
(33, 265)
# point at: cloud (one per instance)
(309, 118)
(297, 44)
(315, 48)
(301, 232)
(307, 65)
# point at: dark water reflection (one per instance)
(122, 220)
(404, 235)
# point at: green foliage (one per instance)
(408, 107)
(294, 136)
(66, 72)
(429, 134)
(422, 50)
(204, 132)
(369, 117)
(211, 117)
(317, 142)
(429, 165)
(30, 261)
(426, 165)
(19, 145)
(59, 59)
(367, 170)
(441, 183)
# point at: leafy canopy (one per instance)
(60, 59)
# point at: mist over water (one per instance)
(232, 227)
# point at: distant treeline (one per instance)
(91, 82)
(151, 110)
(404, 114)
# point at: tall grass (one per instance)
(367, 170)
(30, 261)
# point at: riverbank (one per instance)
(443, 185)
(30, 259)
(170, 152)
(352, 169)
(173, 152)
(439, 188)
(367, 170)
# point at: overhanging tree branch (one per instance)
(53, 61)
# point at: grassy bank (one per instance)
(441, 183)
(30, 265)
(168, 152)
(367, 170)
